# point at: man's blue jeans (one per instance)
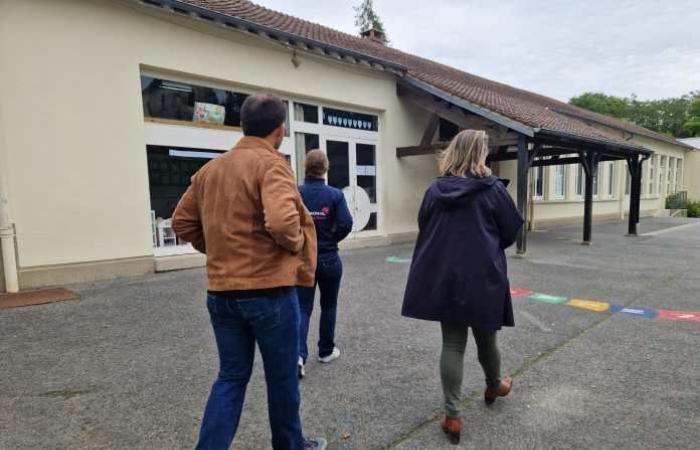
(329, 272)
(238, 323)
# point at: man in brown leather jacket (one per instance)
(244, 211)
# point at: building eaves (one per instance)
(241, 24)
(525, 111)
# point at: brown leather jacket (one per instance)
(244, 211)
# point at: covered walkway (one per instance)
(511, 140)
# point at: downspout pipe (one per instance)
(7, 229)
(7, 242)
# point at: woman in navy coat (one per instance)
(458, 274)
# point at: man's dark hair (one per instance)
(261, 114)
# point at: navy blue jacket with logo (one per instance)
(330, 213)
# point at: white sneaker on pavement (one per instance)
(335, 354)
(300, 367)
(315, 444)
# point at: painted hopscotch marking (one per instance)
(591, 305)
(681, 316)
(647, 313)
(398, 260)
(520, 292)
(553, 299)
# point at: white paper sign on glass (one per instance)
(369, 171)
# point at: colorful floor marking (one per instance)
(547, 298)
(647, 313)
(398, 260)
(591, 305)
(520, 292)
(682, 316)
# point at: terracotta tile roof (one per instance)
(527, 108)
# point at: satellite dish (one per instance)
(360, 205)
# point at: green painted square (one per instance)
(547, 298)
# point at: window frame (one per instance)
(560, 182)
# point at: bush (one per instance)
(694, 209)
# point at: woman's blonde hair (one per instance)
(316, 164)
(466, 154)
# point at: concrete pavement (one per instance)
(129, 365)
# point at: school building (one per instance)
(107, 107)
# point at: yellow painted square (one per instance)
(591, 305)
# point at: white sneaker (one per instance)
(300, 367)
(335, 354)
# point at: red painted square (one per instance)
(520, 292)
(684, 316)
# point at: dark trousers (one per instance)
(328, 275)
(272, 322)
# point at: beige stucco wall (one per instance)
(692, 175)
(75, 129)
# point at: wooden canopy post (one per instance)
(523, 169)
(590, 166)
(634, 164)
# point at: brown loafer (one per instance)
(452, 428)
(490, 394)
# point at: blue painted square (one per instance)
(647, 313)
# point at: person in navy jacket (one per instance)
(333, 223)
(458, 274)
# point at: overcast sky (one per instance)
(558, 48)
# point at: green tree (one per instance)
(366, 18)
(692, 126)
(603, 104)
(678, 117)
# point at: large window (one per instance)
(596, 180)
(303, 144)
(679, 175)
(172, 100)
(611, 179)
(670, 174)
(538, 182)
(367, 170)
(662, 174)
(652, 175)
(560, 181)
(339, 163)
(169, 173)
(580, 180)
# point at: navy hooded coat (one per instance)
(459, 273)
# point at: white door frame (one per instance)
(352, 138)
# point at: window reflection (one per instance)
(166, 99)
(339, 159)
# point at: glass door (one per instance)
(365, 177)
(353, 169)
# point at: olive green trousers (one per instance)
(454, 342)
